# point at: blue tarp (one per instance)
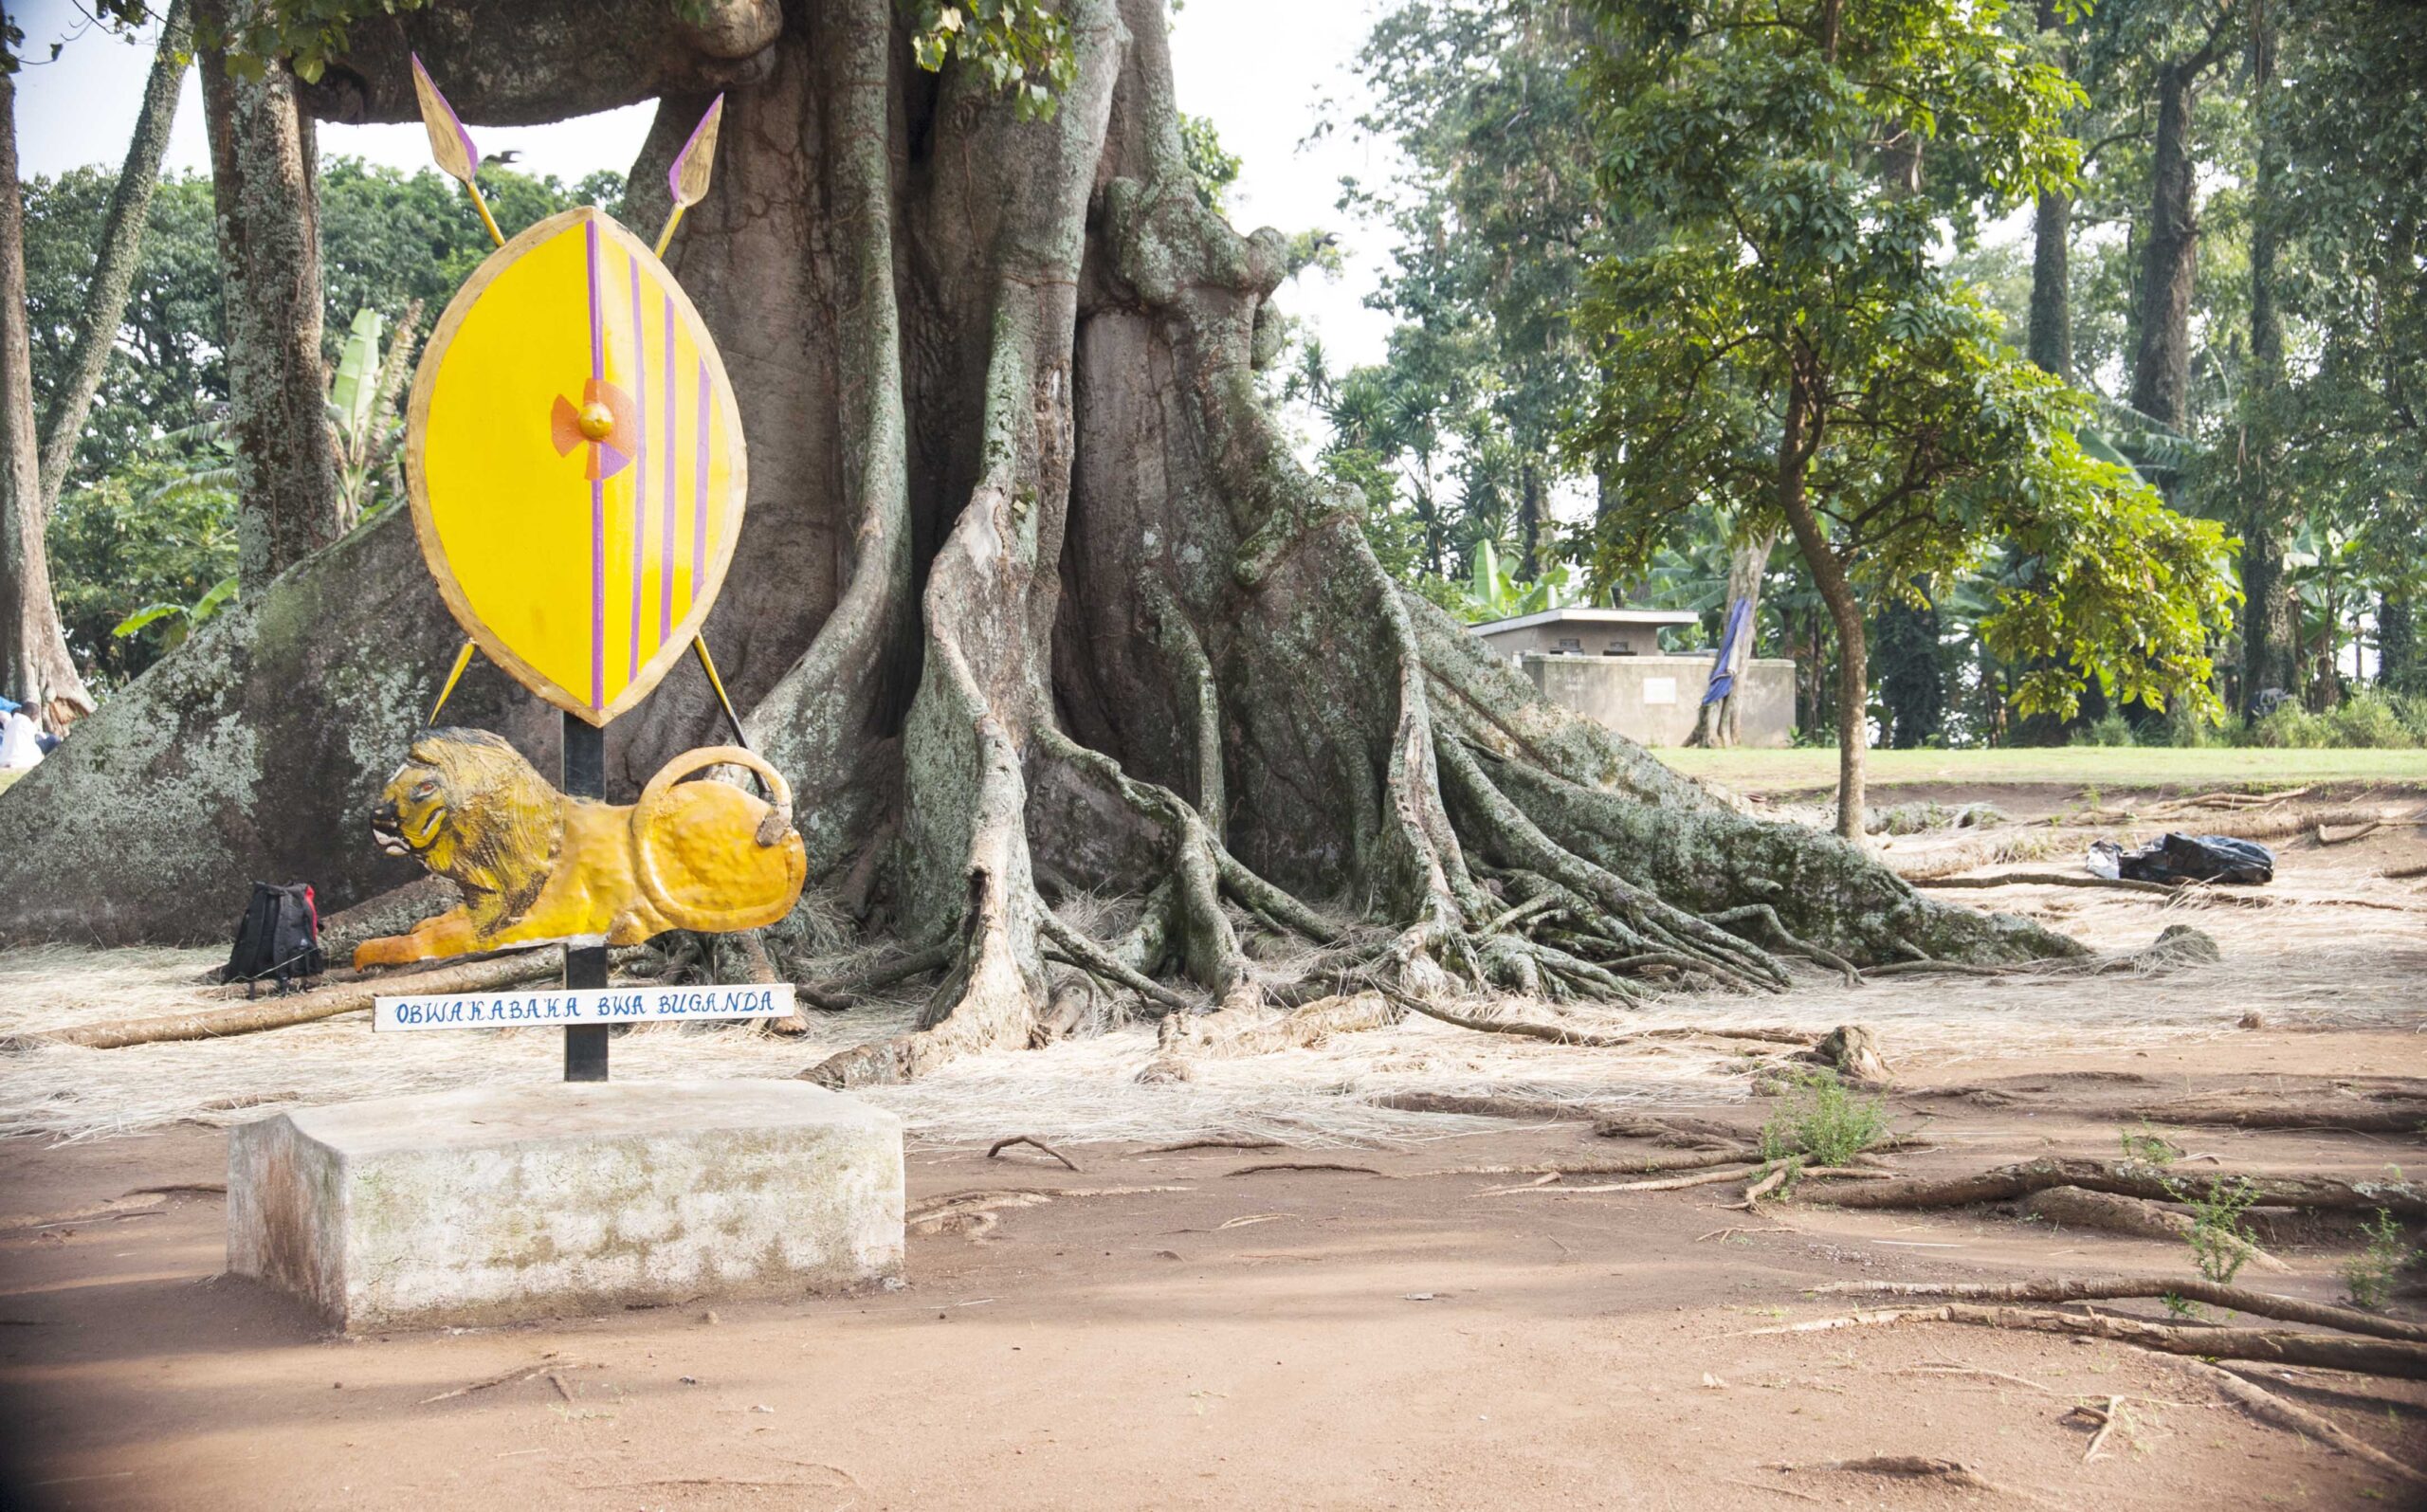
(1722, 671)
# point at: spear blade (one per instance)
(449, 143)
(688, 176)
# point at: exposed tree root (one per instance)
(1676, 1132)
(2104, 1288)
(1212, 1144)
(1304, 1165)
(1644, 1166)
(1075, 949)
(995, 1150)
(2049, 879)
(972, 1212)
(835, 997)
(547, 1362)
(1704, 1178)
(2075, 1208)
(1488, 1106)
(2227, 1110)
(2131, 1178)
(1228, 1034)
(2273, 1409)
(2325, 836)
(1560, 1035)
(2364, 1356)
(1915, 1467)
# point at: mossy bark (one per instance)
(265, 203)
(1033, 600)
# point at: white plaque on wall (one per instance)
(1660, 691)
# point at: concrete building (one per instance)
(1607, 664)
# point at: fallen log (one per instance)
(253, 1017)
(2131, 1178)
(2111, 1289)
(2394, 1358)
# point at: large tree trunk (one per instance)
(1913, 682)
(33, 649)
(269, 256)
(2269, 617)
(1032, 598)
(1797, 441)
(2170, 246)
(1530, 512)
(2051, 337)
(2050, 342)
(2398, 642)
(114, 263)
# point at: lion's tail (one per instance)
(656, 808)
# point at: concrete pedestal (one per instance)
(499, 1204)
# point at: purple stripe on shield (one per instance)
(700, 491)
(665, 494)
(639, 467)
(597, 489)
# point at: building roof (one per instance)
(1582, 614)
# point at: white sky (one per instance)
(1263, 97)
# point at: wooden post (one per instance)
(585, 776)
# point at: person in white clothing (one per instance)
(20, 741)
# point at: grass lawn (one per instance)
(2065, 766)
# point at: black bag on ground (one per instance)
(2178, 858)
(280, 938)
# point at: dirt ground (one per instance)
(1398, 1335)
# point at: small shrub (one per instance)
(2289, 728)
(1822, 1120)
(2412, 708)
(2220, 1246)
(2368, 720)
(2369, 1276)
(2110, 728)
(2190, 732)
(2146, 1143)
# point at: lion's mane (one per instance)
(504, 821)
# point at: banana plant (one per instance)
(180, 618)
(364, 426)
(1493, 593)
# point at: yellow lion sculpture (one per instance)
(538, 868)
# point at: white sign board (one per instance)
(556, 1007)
(1660, 691)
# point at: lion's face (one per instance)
(467, 807)
(413, 810)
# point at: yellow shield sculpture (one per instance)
(575, 463)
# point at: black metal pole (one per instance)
(585, 776)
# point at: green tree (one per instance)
(1791, 350)
(1497, 218)
(2350, 125)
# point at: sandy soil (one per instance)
(1319, 1339)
